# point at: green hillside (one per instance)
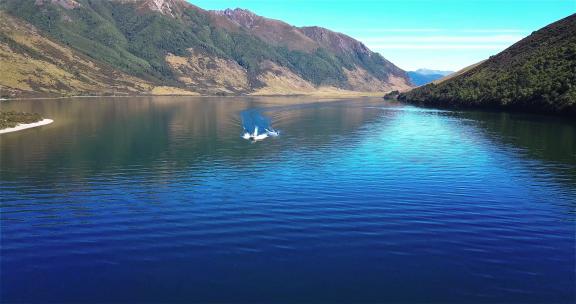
(536, 74)
(137, 41)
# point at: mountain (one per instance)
(433, 72)
(275, 32)
(425, 76)
(34, 66)
(537, 73)
(363, 69)
(174, 47)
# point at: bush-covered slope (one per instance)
(363, 69)
(536, 74)
(11, 119)
(33, 66)
(173, 43)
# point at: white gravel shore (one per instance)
(27, 126)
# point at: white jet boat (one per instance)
(255, 136)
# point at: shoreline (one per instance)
(327, 95)
(21, 127)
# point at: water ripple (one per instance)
(357, 200)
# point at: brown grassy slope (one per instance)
(209, 75)
(32, 65)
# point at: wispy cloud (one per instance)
(445, 38)
(440, 39)
(490, 31)
(395, 30)
(414, 46)
(434, 30)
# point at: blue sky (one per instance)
(437, 34)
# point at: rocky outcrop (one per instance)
(335, 41)
(172, 8)
(67, 4)
(272, 31)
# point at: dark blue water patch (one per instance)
(361, 201)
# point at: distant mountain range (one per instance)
(433, 72)
(537, 73)
(425, 76)
(95, 47)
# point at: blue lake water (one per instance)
(161, 200)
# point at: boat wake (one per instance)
(256, 126)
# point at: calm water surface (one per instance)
(160, 200)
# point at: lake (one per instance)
(159, 199)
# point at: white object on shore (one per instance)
(27, 126)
